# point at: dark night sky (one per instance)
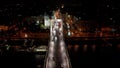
(101, 10)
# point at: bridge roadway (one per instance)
(57, 55)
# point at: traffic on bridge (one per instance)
(57, 56)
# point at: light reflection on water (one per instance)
(76, 47)
(93, 47)
(84, 47)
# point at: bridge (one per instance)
(57, 55)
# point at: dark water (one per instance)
(94, 54)
(17, 60)
(82, 54)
